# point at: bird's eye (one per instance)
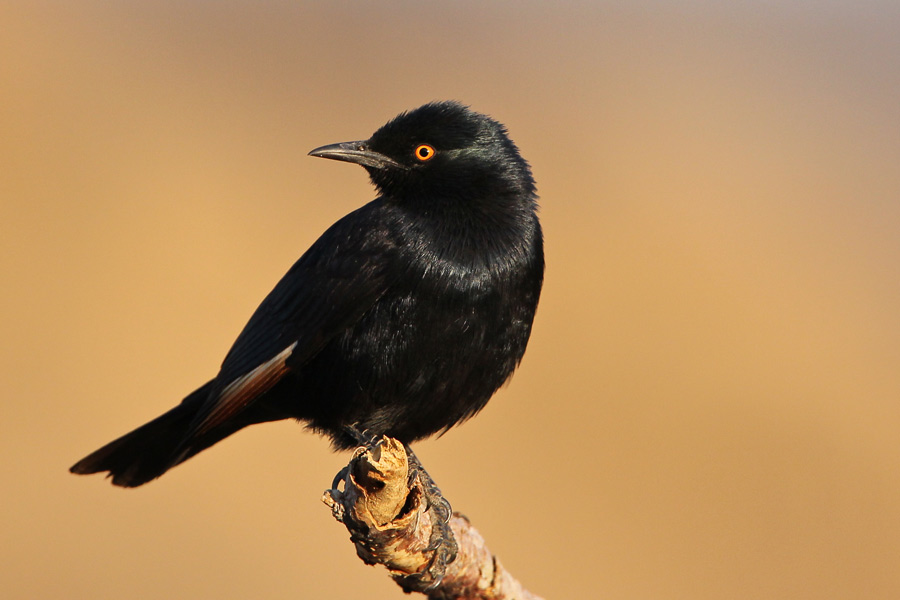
(424, 152)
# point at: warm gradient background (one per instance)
(710, 404)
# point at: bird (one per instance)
(402, 319)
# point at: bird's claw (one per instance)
(441, 542)
(364, 437)
(443, 547)
(341, 476)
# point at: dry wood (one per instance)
(384, 506)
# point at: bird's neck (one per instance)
(470, 234)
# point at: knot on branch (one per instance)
(384, 506)
(398, 518)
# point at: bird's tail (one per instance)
(154, 448)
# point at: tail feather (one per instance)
(154, 448)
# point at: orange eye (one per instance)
(424, 152)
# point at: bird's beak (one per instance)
(356, 152)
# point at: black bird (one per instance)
(402, 319)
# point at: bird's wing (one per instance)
(327, 290)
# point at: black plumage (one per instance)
(403, 318)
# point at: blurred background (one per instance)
(710, 401)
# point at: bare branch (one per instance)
(397, 518)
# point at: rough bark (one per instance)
(388, 505)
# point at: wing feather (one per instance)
(328, 289)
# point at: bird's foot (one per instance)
(441, 542)
(364, 437)
(340, 478)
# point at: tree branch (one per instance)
(397, 518)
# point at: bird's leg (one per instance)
(442, 542)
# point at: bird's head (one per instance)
(442, 150)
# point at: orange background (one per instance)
(710, 404)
